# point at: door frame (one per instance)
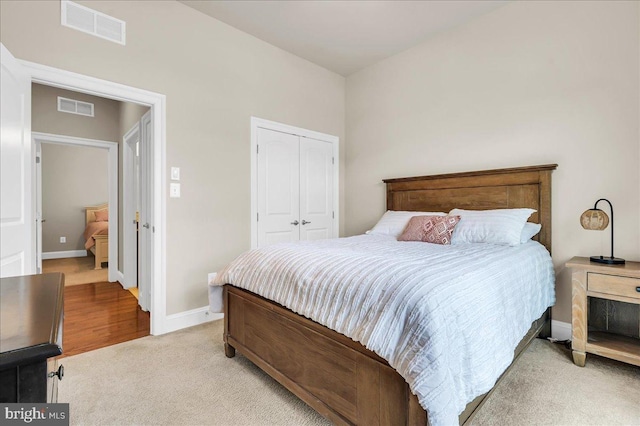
(145, 241)
(260, 123)
(38, 139)
(129, 243)
(55, 77)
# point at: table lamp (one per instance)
(596, 219)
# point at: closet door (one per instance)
(316, 189)
(278, 187)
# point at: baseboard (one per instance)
(63, 254)
(560, 330)
(190, 318)
(120, 278)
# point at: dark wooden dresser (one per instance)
(31, 318)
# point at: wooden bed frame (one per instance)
(340, 378)
(101, 249)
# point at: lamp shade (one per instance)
(594, 219)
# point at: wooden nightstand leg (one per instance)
(579, 317)
(579, 358)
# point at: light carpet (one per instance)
(183, 378)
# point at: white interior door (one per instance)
(146, 226)
(130, 206)
(17, 239)
(316, 189)
(278, 187)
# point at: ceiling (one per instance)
(344, 36)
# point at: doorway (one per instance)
(137, 209)
(111, 148)
(76, 185)
(20, 258)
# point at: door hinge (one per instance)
(153, 229)
(257, 217)
(333, 160)
(257, 149)
(37, 160)
(333, 215)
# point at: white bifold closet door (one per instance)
(295, 188)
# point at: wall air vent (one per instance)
(92, 22)
(75, 107)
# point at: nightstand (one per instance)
(31, 320)
(619, 283)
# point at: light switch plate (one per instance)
(174, 190)
(175, 173)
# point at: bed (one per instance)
(337, 376)
(96, 233)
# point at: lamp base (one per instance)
(607, 260)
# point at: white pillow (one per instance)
(501, 226)
(393, 222)
(529, 231)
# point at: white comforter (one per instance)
(447, 318)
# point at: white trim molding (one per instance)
(190, 318)
(64, 254)
(130, 199)
(260, 123)
(560, 330)
(157, 102)
(120, 278)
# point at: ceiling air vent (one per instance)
(75, 107)
(92, 22)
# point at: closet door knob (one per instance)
(295, 223)
(304, 222)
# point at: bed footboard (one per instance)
(339, 378)
(100, 250)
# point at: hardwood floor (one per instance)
(76, 270)
(98, 315)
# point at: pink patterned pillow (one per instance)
(430, 229)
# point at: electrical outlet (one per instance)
(63, 240)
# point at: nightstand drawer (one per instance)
(613, 284)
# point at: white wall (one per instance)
(215, 78)
(530, 83)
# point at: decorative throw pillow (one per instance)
(102, 215)
(430, 229)
(393, 222)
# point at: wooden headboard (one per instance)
(91, 212)
(481, 190)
